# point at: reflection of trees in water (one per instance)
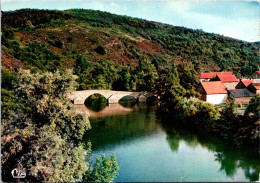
(239, 158)
(96, 102)
(229, 157)
(127, 101)
(174, 140)
(116, 129)
(228, 165)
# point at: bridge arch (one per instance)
(95, 96)
(127, 98)
(96, 102)
(79, 97)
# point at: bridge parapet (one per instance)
(79, 97)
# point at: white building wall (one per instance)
(217, 98)
(256, 80)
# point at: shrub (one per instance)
(58, 44)
(70, 39)
(100, 50)
(254, 106)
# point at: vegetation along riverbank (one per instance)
(47, 54)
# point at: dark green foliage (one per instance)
(147, 76)
(189, 78)
(104, 170)
(230, 107)
(7, 34)
(169, 88)
(99, 75)
(81, 65)
(100, 50)
(70, 39)
(193, 109)
(96, 102)
(9, 104)
(254, 107)
(8, 79)
(21, 17)
(42, 130)
(125, 81)
(215, 121)
(35, 55)
(58, 44)
(242, 130)
(107, 75)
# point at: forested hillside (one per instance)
(109, 51)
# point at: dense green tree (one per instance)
(81, 65)
(147, 77)
(230, 107)
(254, 106)
(44, 132)
(104, 170)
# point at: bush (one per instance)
(100, 50)
(70, 39)
(254, 106)
(8, 79)
(98, 173)
(58, 44)
(197, 109)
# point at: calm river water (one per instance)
(147, 150)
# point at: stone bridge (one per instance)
(79, 97)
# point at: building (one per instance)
(254, 88)
(213, 92)
(256, 76)
(206, 76)
(229, 81)
(242, 96)
(244, 83)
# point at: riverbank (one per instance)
(219, 121)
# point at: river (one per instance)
(148, 150)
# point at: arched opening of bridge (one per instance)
(96, 102)
(127, 101)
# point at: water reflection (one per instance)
(96, 102)
(136, 133)
(118, 125)
(107, 110)
(230, 158)
(98, 107)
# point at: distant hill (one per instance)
(44, 40)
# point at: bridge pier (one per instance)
(112, 100)
(79, 101)
(142, 99)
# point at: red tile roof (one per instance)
(214, 87)
(210, 75)
(227, 78)
(247, 82)
(258, 72)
